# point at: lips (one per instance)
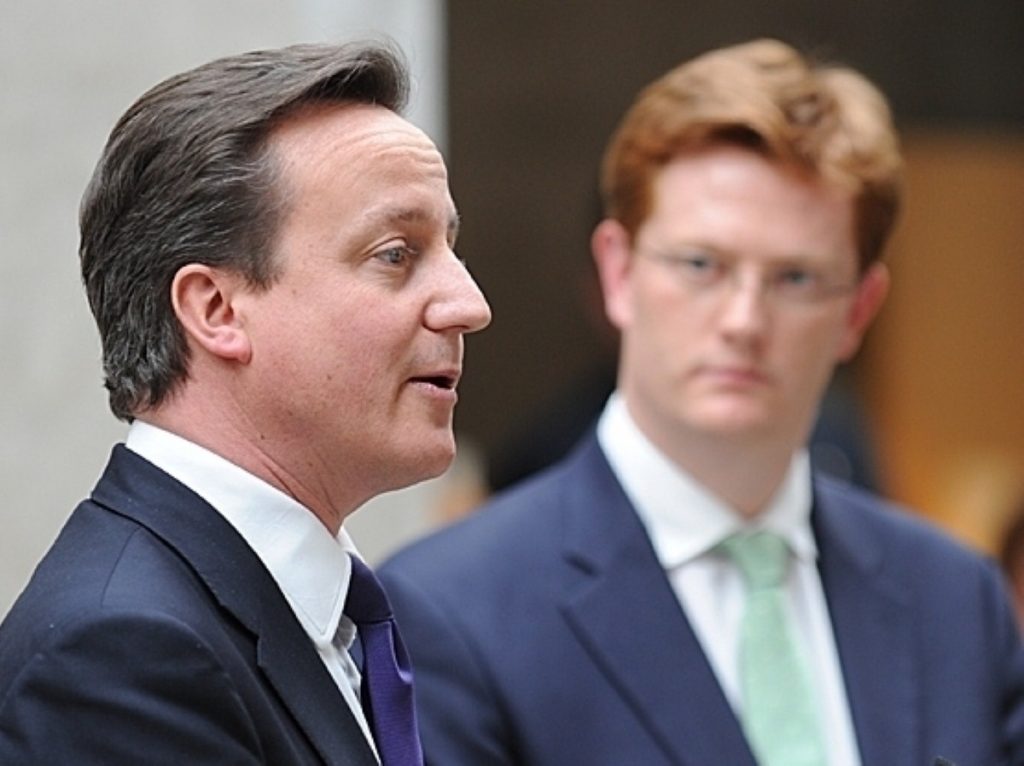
(734, 374)
(445, 380)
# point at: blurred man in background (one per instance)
(683, 588)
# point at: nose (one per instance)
(459, 303)
(744, 315)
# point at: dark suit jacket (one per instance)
(151, 633)
(543, 631)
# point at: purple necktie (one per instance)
(387, 675)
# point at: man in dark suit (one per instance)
(267, 249)
(683, 588)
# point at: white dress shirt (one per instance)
(309, 565)
(686, 522)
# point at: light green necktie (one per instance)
(779, 711)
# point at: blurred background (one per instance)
(522, 97)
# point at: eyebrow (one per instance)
(799, 257)
(392, 214)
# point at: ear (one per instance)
(611, 247)
(203, 299)
(871, 292)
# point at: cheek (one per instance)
(656, 307)
(356, 351)
(310, 344)
(664, 340)
(374, 347)
(814, 353)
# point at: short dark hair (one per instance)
(186, 177)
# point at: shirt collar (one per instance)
(684, 519)
(309, 565)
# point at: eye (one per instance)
(798, 282)
(396, 255)
(700, 267)
(697, 262)
(794, 277)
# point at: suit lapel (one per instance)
(623, 611)
(133, 487)
(319, 707)
(873, 622)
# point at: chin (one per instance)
(735, 422)
(422, 460)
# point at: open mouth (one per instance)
(446, 382)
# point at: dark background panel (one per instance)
(537, 87)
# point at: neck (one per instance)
(745, 473)
(746, 479)
(221, 426)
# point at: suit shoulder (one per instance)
(518, 510)
(121, 672)
(912, 541)
(100, 565)
(517, 530)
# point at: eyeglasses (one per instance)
(709, 273)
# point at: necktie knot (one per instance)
(761, 557)
(366, 602)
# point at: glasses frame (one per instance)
(788, 283)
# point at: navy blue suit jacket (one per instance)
(543, 631)
(151, 633)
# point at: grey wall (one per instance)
(68, 69)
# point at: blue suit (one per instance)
(151, 633)
(543, 631)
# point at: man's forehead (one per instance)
(358, 146)
(390, 212)
(346, 123)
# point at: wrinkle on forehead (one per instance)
(363, 131)
(381, 132)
